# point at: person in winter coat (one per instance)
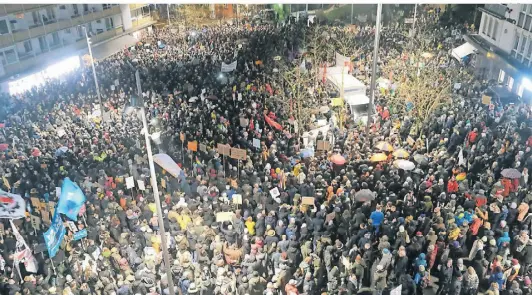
(471, 282)
(379, 279)
(497, 277)
(446, 276)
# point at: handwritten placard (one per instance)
(141, 185)
(238, 154)
(45, 216)
(224, 149)
(274, 192)
(203, 148)
(36, 203)
(35, 222)
(486, 100)
(237, 199)
(224, 216)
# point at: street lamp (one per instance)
(374, 69)
(94, 73)
(153, 180)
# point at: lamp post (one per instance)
(153, 180)
(94, 72)
(168, 13)
(414, 22)
(374, 69)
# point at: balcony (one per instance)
(6, 9)
(39, 30)
(496, 10)
(136, 6)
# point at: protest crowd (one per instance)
(245, 212)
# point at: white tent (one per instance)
(352, 85)
(166, 162)
(463, 51)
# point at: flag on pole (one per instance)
(11, 206)
(71, 200)
(54, 235)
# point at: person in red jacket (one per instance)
(452, 186)
(472, 136)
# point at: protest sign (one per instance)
(323, 145)
(307, 200)
(397, 291)
(61, 132)
(141, 185)
(203, 148)
(192, 146)
(2, 229)
(224, 216)
(256, 143)
(35, 222)
(163, 183)
(130, 182)
(80, 234)
(237, 199)
(238, 154)
(45, 216)
(6, 183)
(274, 192)
(410, 141)
(486, 100)
(57, 191)
(224, 149)
(36, 203)
(72, 226)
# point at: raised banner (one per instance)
(192, 146)
(228, 67)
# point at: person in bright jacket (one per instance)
(497, 277)
(376, 218)
(250, 225)
(452, 186)
(504, 239)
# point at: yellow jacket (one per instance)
(250, 225)
(183, 221)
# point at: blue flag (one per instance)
(71, 199)
(54, 235)
(80, 234)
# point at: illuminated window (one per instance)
(510, 83)
(501, 76)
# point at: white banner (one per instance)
(11, 206)
(340, 59)
(228, 67)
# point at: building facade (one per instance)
(33, 35)
(504, 44)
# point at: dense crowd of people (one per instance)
(457, 224)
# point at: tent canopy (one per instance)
(463, 51)
(358, 99)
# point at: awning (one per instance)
(107, 49)
(463, 51)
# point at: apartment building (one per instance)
(33, 36)
(504, 46)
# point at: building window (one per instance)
(106, 6)
(510, 83)
(521, 20)
(2, 59)
(42, 44)
(495, 27)
(520, 90)
(80, 31)
(516, 42)
(85, 8)
(55, 38)
(109, 23)
(27, 46)
(529, 52)
(50, 13)
(490, 25)
(11, 56)
(484, 25)
(75, 8)
(527, 22)
(62, 7)
(67, 30)
(3, 27)
(501, 76)
(523, 45)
